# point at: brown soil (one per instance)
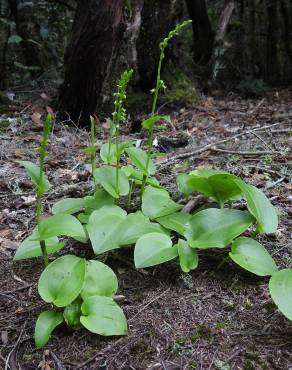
(218, 316)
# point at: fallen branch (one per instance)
(260, 152)
(193, 153)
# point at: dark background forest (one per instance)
(239, 45)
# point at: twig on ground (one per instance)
(174, 158)
(269, 186)
(57, 361)
(14, 351)
(148, 304)
(260, 152)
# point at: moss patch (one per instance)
(180, 89)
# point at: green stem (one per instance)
(93, 153)
(39, 209)
(118, 160)
(154, 105)
(130, 195)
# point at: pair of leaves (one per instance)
(63, 281)
(222, 186)
(48, 230)
(68, 276)
(33, 172)
(106, 177)
(153, 249)
(110, 227)
(157, 203)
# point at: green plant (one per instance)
(82, 291)
(149, 124)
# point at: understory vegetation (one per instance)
(127, 207)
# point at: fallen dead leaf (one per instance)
(36, 118)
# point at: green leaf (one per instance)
(188, 257)
(62, 280)
(207, 172)
(175, 221)
(103, 226)
(153, 249)
(31, 248)
(33, 172)
(112, 156)
(72, 313)
(280, 286)
(99, 280)
(139, 158)
(216, 228)
(137, 177)
(150, 122)
(182, 184)
(103, 316)
(68, 206)
(260, 207)
(61, 224)
(157, 203)
(221, 187)
(45, 325)
(106, 177)
(136, 225)
(98, 200)
(252, 256)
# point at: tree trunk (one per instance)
(104, 42)
(203, 33)
(89, 56)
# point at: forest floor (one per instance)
(218, 316)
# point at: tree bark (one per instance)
(202, 30)
(89, 56)
(104, 42)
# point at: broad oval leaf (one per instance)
(33, 172)
(280, 286)
(188, 257)
(99, 280)
(45, 325)
(139, 158)
(252, 256)
(153, 249)
(157, 203)
(150, 122)
(175, 221)
(260, 207)
(216, 228)
(103, 226)
(134, 226)
(62, 280)
(61, 224)
(101, 315)
(68, 206)
(31, 248)
(106, 177)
